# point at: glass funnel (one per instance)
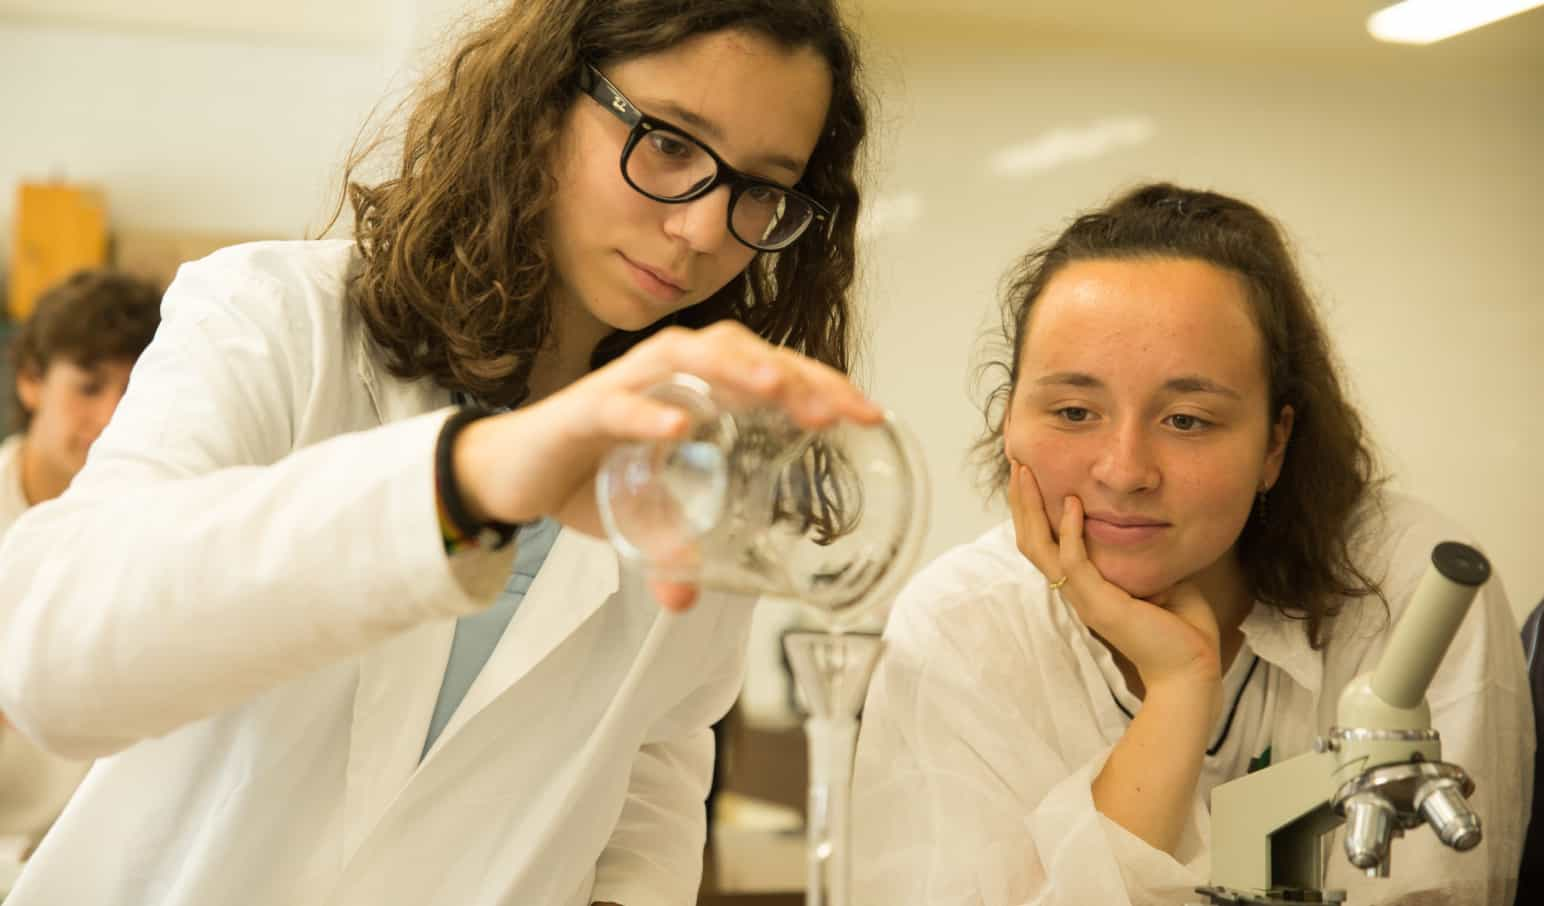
(832, 671)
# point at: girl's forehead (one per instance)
(1162, 314)
(753, 100)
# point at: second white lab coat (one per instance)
(34, 784)
(995, 707)
(243, 604)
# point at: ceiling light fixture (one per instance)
(1428, 21)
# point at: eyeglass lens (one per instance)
(671, 166)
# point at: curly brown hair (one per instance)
(92, 316)
(455, 263)
(1298, 560)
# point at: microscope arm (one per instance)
(1264, 815)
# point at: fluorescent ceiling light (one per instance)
(1427, 21)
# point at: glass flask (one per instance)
(749, 502)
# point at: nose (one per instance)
(1127, 465)
(702, 223)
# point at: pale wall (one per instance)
(182, 133)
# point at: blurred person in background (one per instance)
(71, 360)
(337, 639)
(1201, 556)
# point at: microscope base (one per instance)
(1280, 896)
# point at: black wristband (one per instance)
(490, 535)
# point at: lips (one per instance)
(1126, 521)
(662, 278)
(1122, 530)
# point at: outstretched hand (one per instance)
(541, 460)
(1169, 637)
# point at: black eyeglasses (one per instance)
(666, 164)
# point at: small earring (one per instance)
(1262, 506)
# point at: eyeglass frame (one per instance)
(599, 88)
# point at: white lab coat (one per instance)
(995, 707)
(244, 604)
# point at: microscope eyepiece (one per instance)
(1427, 627)
(1461, 563)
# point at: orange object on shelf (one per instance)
(60, 228)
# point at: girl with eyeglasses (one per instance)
(1201, 556)
(328, 601)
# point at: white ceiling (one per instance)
(1313, 27)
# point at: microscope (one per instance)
(1379, 770)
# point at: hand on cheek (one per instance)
(1175, 637)
(1032, 520)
